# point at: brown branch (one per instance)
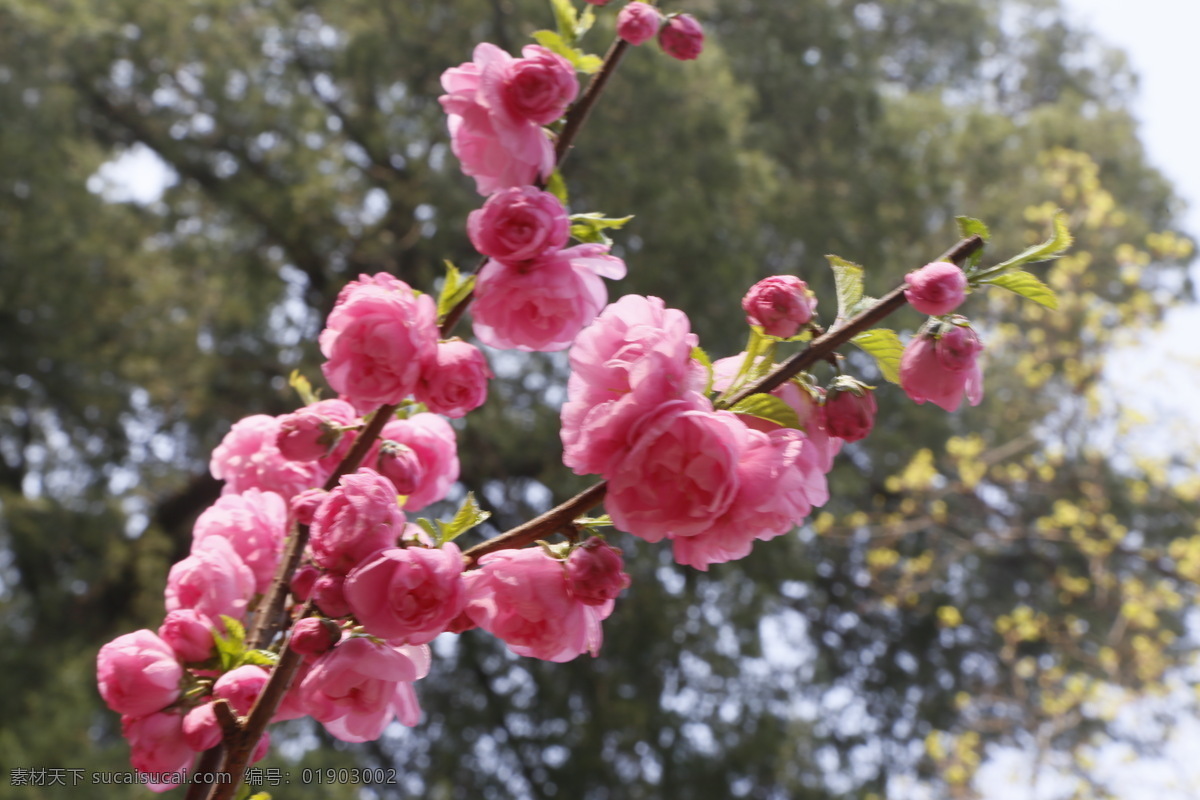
(580, 111)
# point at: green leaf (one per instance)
(848, 279)
(586, 20)
(969, 226)
(1050, 249)
(454, 290)
(231, 645)
(885, 347)
(556, 186)
(590, 227)
(303, 388)
(699, 355)
(234, 629)
(602, 521)
(429, 528)
(770, 408)
(259, 658)
(469, 515)
(1026, 285)
(566, 19)
(555, 43)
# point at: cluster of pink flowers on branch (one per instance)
(313, 533)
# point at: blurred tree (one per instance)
(961, 589)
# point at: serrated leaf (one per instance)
(556, 186)
(469, 515)
(429, 528)
(586, 20)
(1050, 249)
(885, 347)
(234, 629)
(454, 290)
(969, 226)
(303, 387)
(1028, 286)
(848, 280)
(699, 355)
(770, 408)
(565, 18)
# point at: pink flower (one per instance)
(255, 523)
(523, 598)
(537, 88)
(241, 687)
(213, 580)
(157, 747)
(376, 342)
(313, 636)
(850, 413)
(595, 573)
(780, 305)
(541, 305)
(314, 432)
(357, 688)
(329, 594)
(682, 37)
(137, 674)
(936, 288)
(303, 506)
(941, 368)
(401, 465)
(248, 458)
(495, 148)
(358, 517)
(201, 730)
(779, 481)
(635, 357)
(456, 381)
(189, 633)
(433, 441)
(518, 224)
(638, 23)
(302, 582)
(407, 595)
(680, 475)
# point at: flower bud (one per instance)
(780, 305)
(942, 367)
(638, 22)
(313, 636)
(401, 465)
(849, 410)
(936, 288)
(189, 633)
(594, 572)
(329, 595)
(682, 37)
(306, 436)
(241, 687)
(304, 505)
(456, 381)
(302, 581)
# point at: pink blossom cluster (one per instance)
(710, 481)
(534, 293)
(381, 347)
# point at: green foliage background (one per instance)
(979, 577)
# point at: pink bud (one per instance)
(958, 347)
(189, 633)
(942, 368)
(241, 687)
(401, 465)
(594, 572)
(138, 674)
(849, 415)
(312, 636)
(780, 305)
(305, 436)
(304, 505)
(302, 581)
(682, 37)
(936, 288)
(329, 594)
(638, 22)
(201, 729)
